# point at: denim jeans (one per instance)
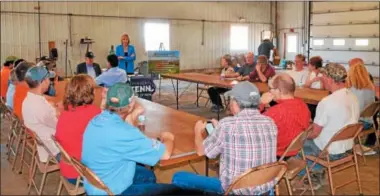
(310, 148)
(144, 183)
(191, 181)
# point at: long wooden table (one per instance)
(159, 119)
(311, 96)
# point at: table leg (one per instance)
(197, 95)
(206, 167)
(177, 94)
(159, 87)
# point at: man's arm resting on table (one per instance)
(315, 132)
(232, 75)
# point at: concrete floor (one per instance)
(16, 184)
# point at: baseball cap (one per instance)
(38, 74)
(90, 55)
(246, 93)
(119, 95)
(335, 71)
(10, 58)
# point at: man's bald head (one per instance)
(284, 83)
(250, 58)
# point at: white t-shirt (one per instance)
(299, 77)
(40, 116)
(317, 84)
(334, 112)
(365, 97)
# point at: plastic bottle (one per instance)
(141, 123)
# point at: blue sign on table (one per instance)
(143, 87)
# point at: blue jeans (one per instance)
(144, 183)
(310, 148)
(191, 181)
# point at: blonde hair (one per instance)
(358, 77)
(124, 35)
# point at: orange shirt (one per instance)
(19, 96)
(5, 72)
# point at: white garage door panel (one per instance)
(343, 57)
(342, 26)
(344, 17)
(349, 43)
(345, 31)
(341, 6)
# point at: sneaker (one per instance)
(371, 152)
(217, 109)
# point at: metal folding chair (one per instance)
(349, 132)
(296, 165)
(91, 177)
(368, 113)
(71, 189)
(258, 176)
(51, 165)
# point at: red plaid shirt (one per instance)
(243, 141)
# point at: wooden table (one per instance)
(311, 96)
(159, 119)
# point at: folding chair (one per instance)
(71, 189)
(200, 94)
(368, 113)
(91, 177)
(296, 165)
(51, 165)
(258, 176)
(27, 147)
(349, 132)
(14, 139)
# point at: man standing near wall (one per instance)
(265, 47)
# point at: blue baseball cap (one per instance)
(37, 73)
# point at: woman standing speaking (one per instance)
(126, 54)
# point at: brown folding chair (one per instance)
(349, 132)
(91, 176)
(51, 165)
(14, 139)
(27, 147)
(200, 94)
(71, 189)
(368, 113)
(258, 176)
(296, 165)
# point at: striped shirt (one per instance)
(243, 141)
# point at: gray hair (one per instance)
(245, 104)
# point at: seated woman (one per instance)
(314, 78)
(359, 82)
(78, 108)
(214, 92)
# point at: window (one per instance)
(239, 37)
(156, 34)
(267, 35)
(339, 42)
(291, 43)
(318, 42)
(361, 42)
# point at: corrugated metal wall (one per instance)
(19, 32)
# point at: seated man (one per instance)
(299, 73)
(11, 89)
(245, 69)
(334, 112)
(243, 141)
(113, 75)
(21, 88)
(89, 67)
(112, 148)
(39, 115)
(5, 73)
(263, 71)
(290, 114)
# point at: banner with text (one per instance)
(143, 87)
(162, 62)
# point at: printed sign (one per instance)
(143, 87)
(163, 61)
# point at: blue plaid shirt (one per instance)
(243, 141)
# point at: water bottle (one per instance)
(141, 123)
(52, 89)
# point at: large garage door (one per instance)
(340, 31)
